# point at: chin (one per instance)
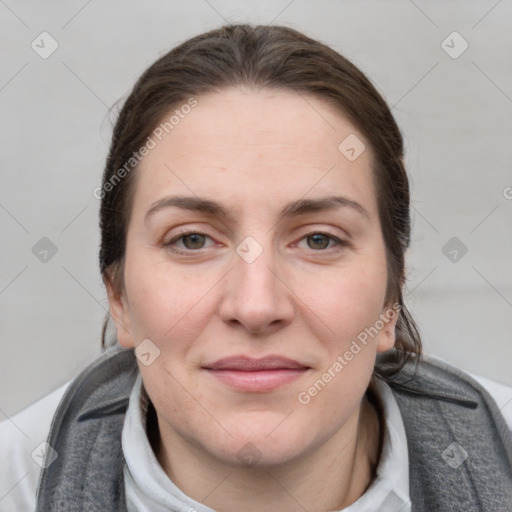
(259, 449)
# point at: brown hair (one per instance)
(263, 57)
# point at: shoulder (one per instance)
(21, 447)
(433, 377)
(500, 393)
(24, 436)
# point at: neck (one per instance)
(331, 477)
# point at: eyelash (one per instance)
(339, 243)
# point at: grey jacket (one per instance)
(460, 448)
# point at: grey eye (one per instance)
(318, 241)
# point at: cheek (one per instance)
(349, 358)
(151, 308)
(346, 299)
(165, 306)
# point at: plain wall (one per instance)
(455, 115)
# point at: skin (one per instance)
(254, 152)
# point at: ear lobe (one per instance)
(119, 312)
(387, 336)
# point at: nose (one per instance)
(256, 297)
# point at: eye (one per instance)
(192, 241)
(188, 241)
(320, 241)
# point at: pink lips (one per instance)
(256, 375)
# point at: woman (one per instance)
(254, 219)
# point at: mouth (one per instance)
(256, 375)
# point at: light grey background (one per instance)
(455, 114)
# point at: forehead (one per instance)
(272, 142)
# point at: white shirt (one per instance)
(149, 489)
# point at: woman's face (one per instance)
(284, 256)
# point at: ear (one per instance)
(120, 314)
(387, 336)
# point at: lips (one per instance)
(249, 364)
(249, 375)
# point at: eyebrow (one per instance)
(295, 208)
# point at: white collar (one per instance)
(148, 488)
(389, 492)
